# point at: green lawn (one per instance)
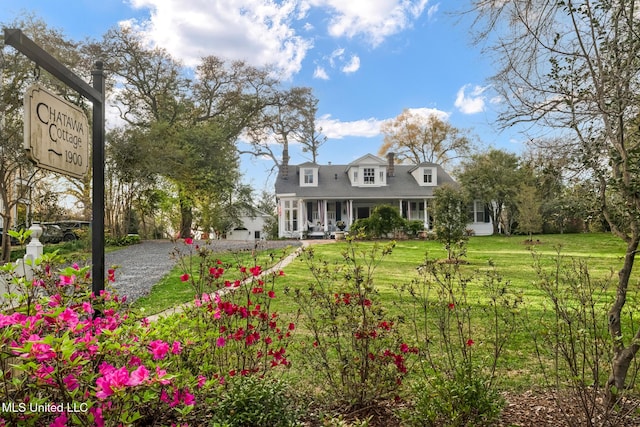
(511, 258)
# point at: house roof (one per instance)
(333, 183)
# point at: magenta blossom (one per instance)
(158, 349)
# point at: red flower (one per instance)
(404, 348)
(111, 275)
(188, 240)
(470, 342)
(271, 294)
(451, 306)
(291, 326)
(184, 277)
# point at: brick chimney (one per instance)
(391, 165)
(284, 167)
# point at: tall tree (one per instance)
(450, 218)
(576, 65)
(415, 138)
(17, 72)
(493, 177)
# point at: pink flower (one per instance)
(111, 275)
(60, 421)
(70, 382)
(160, 374)
(86, 307)
(184, 277)
(188, 241)
(138, 376)
(98, 420)
(67, 280)
(188, 398)
(220, 342)
(256, 271)
(111, 380)
(201, 381)
(159, 349)
(271, 294)
(176, 348)
(42, 352)
(69, 317)
(404, 348)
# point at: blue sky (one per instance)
(366, 60)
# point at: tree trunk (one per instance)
(622, 355)
(186, 215)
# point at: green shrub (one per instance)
(252, 401)
(463, 400)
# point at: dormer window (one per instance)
(308, 176)
(427, 176)
(369, 175)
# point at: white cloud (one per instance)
(320, 73)
(268, 32)
(352, 66)
(336, 129)
(427, 112)
(260, 32)
(433, 10)
(375, 20)
(471, 103)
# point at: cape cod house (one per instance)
(313, 200)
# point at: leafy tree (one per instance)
(450, 218)
(493, 177)
(574, 66)
(17, 72)
(190, 127)
(529, 214)
(417, 139)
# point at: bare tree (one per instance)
(416, 138)
(575, 65)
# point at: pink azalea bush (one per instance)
(68, 357)
(231, 327)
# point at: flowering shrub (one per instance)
(458, 385)
(230, 330)
(354, 346)
(69, 357)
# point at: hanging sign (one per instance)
(56, 133)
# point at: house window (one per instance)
(427, 176)
(369, 175)
(291, 215)
(381, 176)
(308, 176)
(355, 177)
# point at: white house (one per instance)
(252, 228)
(312, 199)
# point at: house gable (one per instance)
(425, 174)
(308, 174)
(367, 171)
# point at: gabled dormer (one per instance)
(308, 174)
(367, 171)
(425, 174)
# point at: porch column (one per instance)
(325, 216)
(426, 214)
(400, 207)
(302, 216)
(349, 212)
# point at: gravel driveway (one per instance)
(143, 265)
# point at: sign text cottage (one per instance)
(56, 133)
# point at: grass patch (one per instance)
(511, 258)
